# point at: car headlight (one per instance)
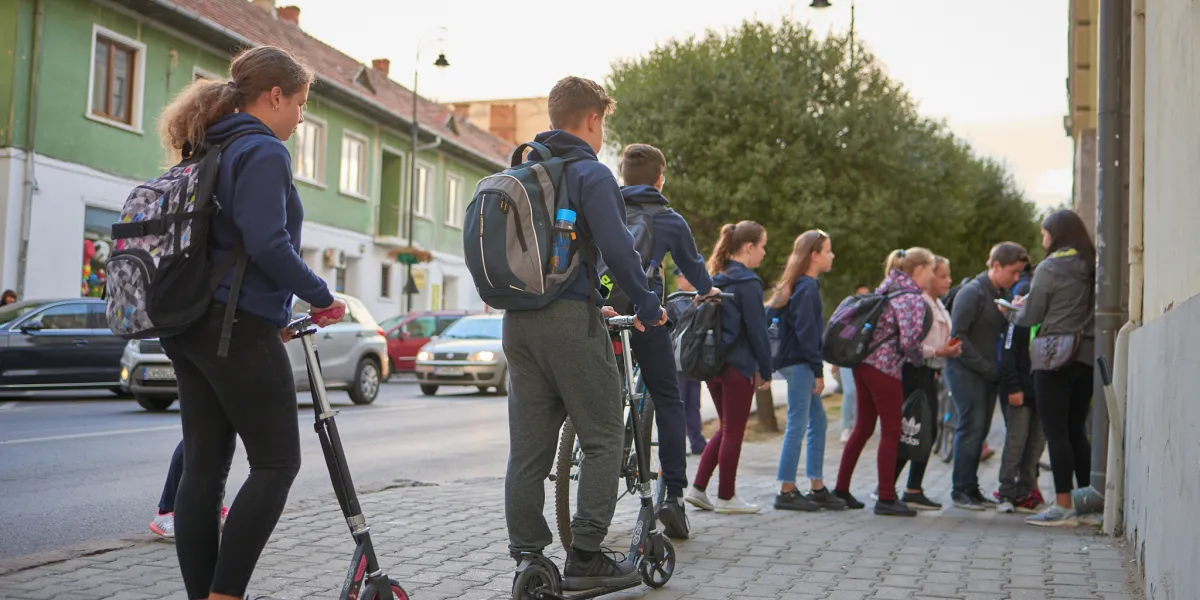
(124, 374)
(482, 356)
(424, 355)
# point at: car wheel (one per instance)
(502, 387)
(429, 390)
(365, 386)
(154, 403)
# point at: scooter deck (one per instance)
(600, 591)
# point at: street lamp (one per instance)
(826, 4)
(441, 63)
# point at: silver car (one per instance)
(468, 353)
(353, 358)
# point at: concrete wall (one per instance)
(1162, 416)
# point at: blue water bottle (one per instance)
(564, 233)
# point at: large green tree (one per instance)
(772, 124)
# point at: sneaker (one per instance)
(826, 500)
(984, 500)
(1029, 505)
(1055, 516)
(699, 499)
(597, 569)
(918, 501)
(851, 502)
(1043, 465)
(224, 515)
(735, 506)
(987, 453)
(845, 435)
(965, 501)
(893, 508)
(1036, 494)
(698, 449)
(164, 526)
(794, 500)
(1006, 506)
(874, 495)
(673, 517)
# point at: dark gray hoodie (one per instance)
(1061, 299)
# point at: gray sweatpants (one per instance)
(1023, 445)
(557, 370)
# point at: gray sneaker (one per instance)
(825, 499)
(1055, 516)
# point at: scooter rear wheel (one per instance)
(659, 566)
(532, 582)
(370, 593)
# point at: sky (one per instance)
(994, 71)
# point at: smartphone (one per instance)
(955, 341)
(1006, 304)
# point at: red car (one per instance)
(407, 333)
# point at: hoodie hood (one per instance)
(236, 123)
(1067, 263)
(735, 272)
(643, 194)
(563, 145)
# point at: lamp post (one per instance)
(827, 4)
(441, 62)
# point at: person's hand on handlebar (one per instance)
(609, 312)
(324, 317)
(662, 320)
(713, 291)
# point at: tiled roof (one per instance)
(255, 24)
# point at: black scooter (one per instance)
(538, 578)
(364, 579)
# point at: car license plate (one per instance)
(158, 373)
(448, 371)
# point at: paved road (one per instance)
(75, 469)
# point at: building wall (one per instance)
(1163, 418)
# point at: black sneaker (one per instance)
(983, 500)
(794, 500)
(673, 517)
(826, 500)
(588, 570)
(851, 501)
(965, 501)
(918, 501)
(893, 508)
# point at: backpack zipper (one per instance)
(482, 254)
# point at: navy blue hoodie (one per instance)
(595, 197)
(671, 234)
(260, 205)
(801, 324)
(744, 316)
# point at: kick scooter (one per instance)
(364, 579)
(538, 578)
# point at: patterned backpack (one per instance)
(160, 280)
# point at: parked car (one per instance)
(469, 352)
(406, 334)
(58, 344)
(353, 356)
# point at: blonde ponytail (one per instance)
(907, 260)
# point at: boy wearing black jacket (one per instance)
(1025, 440)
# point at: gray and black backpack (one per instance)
(639, 220)
(160, 279)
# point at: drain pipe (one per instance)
(30, 185)
(1114, 507)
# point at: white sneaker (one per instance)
(698, 499)
(735, 506)
(845, 435)
(1006, 507)
(163, 526)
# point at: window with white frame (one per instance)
(424, 191)
(454, 205)
(385, 281)
(310, 152)
(354, 165)
(116, 82)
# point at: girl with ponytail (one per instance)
(737, 253)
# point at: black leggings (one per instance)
(919, 378)
(250, 394)
(1063, 399)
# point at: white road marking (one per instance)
(8, 405)
(75, 436)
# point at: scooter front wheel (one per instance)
(659, 564)
(370, 593)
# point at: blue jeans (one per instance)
(849, 400)
(975, 401)
(805, 411)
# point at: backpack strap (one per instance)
(542, 151)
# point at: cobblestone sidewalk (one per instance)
(448, 541)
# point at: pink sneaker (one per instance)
(224, 515)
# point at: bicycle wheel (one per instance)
(566, 471)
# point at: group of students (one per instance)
(250, 392)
